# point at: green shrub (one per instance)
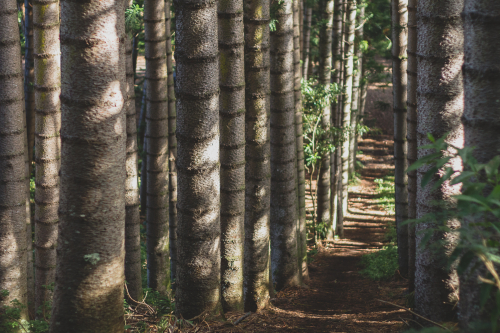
(380, 265)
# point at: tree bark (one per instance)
(13, 252)
(440, 106)
(411, 121)
(198, 231)
(47, 86)
(232, 151)
(88, 296)
(256, 280)
(157, 146)
(399, 83)
(144, 155)
(307, 44)
(360, 83)
(481, 123)
(284, 261)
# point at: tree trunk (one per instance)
(412, 137)
(440, 106)
(13, 253)
(48, 147)
(232, 151)
(132, 202)
(197, 56)
(361, 84)
(144, 155)
(399, 83)
(157, 146)
(307, 44)
(172, 149)
(257, 284)
(88, 296)
(283, 154)
(481, 123)
(324, 73)
(299, 140)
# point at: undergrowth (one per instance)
(380, 265)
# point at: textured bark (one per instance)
(172, 149)
(198, 231)
(299, 140)
(88, 296)
(144, 164)
(157, 146)
(324, 73)
(480, 119)
(283, 154)
(232, 151)
(301, 27)
(440, 106)
(307, 43)
(13, 263)
(48, 146)
(359, 83)
(411, 121)
(399, 83)
(132, 202)
(256, 281)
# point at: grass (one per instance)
(380, 265)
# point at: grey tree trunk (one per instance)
(307, 44)
(157, 146)
(481, 122)
(144, 155)
(13, 252)
(284, 261)
(198, 231)
(324, 73)
(399, 83)
(360, 83)
(172, 150)
(88, 295)
(440, 106)
(299, 140)
(256, 281)
(47, 86)
(232, 151)
(132, 202)
(411, 121)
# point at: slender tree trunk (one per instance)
(399, 83)
(411, 121)
(172, 148)
(48, 147)
(361, 84)
(135, 52)
(197, 56)
(324, 71)
(301, 27)
(132, 202)
(144, 164)
(157, 146)
(299, 140)
(13, 252)
(363, 91)
(88, 296)
(232, 151)
(256, 280)
(283, 154)
(481, 124)
(440, 106)
(307, 44)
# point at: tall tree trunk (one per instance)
(132, 202)
(283, 153)
(336, 78)
(88, 296)
(363, 90)
(144, 155)
(301, 27)
(48, 147)
(399, 83)
(197, 56)
(299, 140)
(256, 280)
(440, 106)
(157, 146)
(324, 73)
(360, 83)
(307, 44)
(13, 263)
(412, 136)
(232, 151)
(172, 149)
(481, 122)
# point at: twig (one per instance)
(133, 300)
(416, 314)
(240, 319)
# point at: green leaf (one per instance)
(428, 176)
